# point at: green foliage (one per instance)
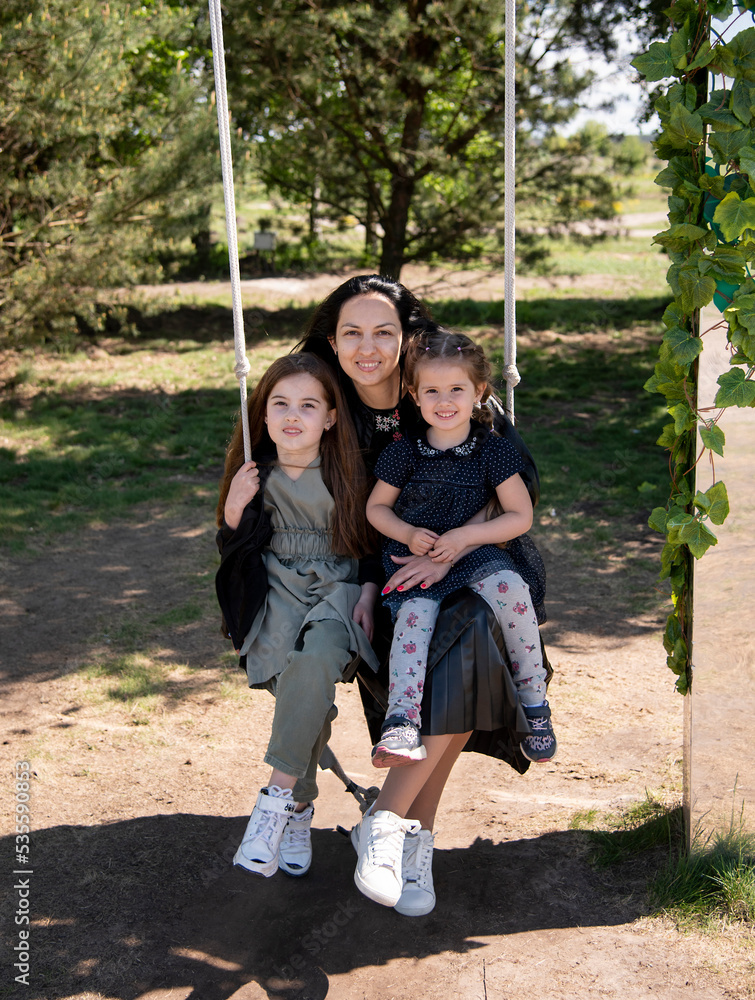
(711, 243)
(643, 826)
(716, 881)
(393, 113)
(105, 148)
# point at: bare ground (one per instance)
(141, 793)
(139, 801)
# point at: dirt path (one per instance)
(139, 800)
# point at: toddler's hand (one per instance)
(449, 547)
(244, 487)
(421, 541)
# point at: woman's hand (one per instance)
(415, 571)
(450, 547)
(364, 610)
(244, 487)
(421, 540)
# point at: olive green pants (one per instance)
(305, 693)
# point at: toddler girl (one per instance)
(430, 498)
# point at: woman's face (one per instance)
(368, 340)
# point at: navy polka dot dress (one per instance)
(441, 490)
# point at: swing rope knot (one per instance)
(242, 368)
(511, 374)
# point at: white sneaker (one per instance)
(418, 895)
(296, 846)
(260, 846)
(381, 842)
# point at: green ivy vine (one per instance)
(707, 137)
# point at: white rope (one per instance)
(242, 366)
(510, 372)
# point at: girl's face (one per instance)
(368, 340)
(445, 394)
(297, 415)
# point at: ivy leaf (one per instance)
(747, 164)
(672, 633)
(734, 216)
(723, 119)
(737, 58)
(735, 389)
(705, 55)
(728, 263)
(742, 310)
(667, 438)
(713, 437)
(673, 315)
(675, 523)
(656, 63)
(745, 347)
(685, 347)
(717, 500)
(742, 101)
(680, 235)
(722, 9)
(657, 519)
(684, 128)
(697, 289)
(726, 145)
(679, 43)
(671, 556)
(697, 537)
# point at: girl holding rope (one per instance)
(291, 530)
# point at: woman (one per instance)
(361, 329)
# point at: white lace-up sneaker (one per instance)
(381, 842)
(418, 895)
(296, 846)
(260, 847)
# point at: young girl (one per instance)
(430, 498)
(292, 527)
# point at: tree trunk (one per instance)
(394, 227)
(314, 218)
(370, 236)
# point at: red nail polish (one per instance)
(423, 585)
(399, 588)
(385, 590)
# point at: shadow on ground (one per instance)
(154, 903)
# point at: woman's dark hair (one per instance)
(435, 343)
(343, 470)
(323, 322)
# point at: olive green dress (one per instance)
(307, 582)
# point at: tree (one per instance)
(393, 111)
(105, 151)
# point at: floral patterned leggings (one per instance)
(509, 597)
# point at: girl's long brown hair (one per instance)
(343, 470)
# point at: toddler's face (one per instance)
(445, 394)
